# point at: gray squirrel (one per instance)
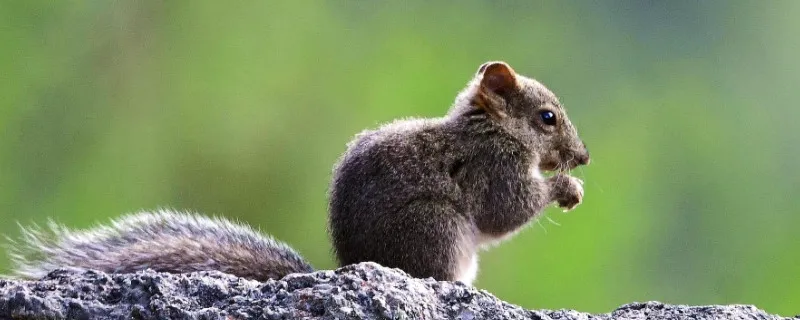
(422, 195)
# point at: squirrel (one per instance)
(421, 195)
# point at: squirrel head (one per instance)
(528, 111)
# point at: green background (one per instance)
(689, 108)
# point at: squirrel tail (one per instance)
(164, 241)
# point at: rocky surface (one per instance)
(364, 291)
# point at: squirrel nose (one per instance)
(583, 158)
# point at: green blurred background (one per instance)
(689, 109)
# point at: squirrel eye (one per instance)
(548, 117)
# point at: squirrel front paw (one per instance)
(566, 190)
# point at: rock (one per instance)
(362, 291)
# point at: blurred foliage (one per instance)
(689, 109)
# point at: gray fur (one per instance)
(163, 240)
(424, 195)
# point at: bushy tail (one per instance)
(164, 241)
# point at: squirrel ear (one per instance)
(498, 77)
(496, 80)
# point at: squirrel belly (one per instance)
(164, 240)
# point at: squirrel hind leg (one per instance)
(437, 249)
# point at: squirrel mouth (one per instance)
(558, 166)
(548, 166)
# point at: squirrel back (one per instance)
(164, 241)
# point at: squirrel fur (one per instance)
(422, 195)
(164, 240)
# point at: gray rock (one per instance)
(363, 291)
